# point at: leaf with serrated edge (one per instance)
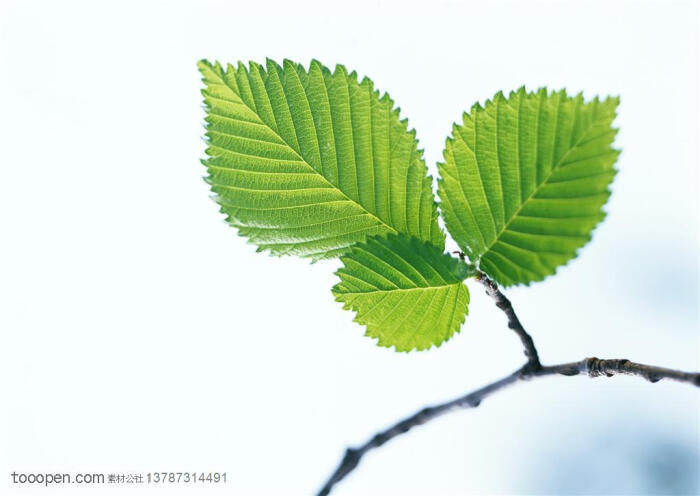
(407, 292)
(524, 180)
(309, 162)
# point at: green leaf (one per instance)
(407, 292)
(310, 162)
(525, 179)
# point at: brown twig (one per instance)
(513, 323)
(592, 367)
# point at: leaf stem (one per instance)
(514, 324)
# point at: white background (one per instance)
(139, 333)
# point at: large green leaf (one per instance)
(407, 292)
(309, 162)
(525, 179)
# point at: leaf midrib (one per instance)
(422, 288)
(303, 160)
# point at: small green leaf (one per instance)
(407, 292)
(309, 162)
(525, 179)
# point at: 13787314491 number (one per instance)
(185, 477)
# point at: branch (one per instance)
(593, 367)
(504, 304)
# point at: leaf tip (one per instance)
(340, 70)
(272, 65)
(204, 64)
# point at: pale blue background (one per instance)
(138, 333)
